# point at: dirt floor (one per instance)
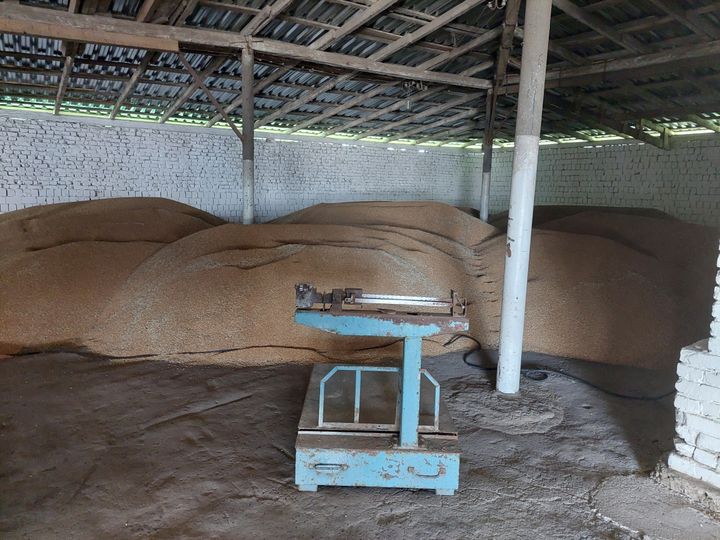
(197, 447)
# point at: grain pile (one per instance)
(146, 276)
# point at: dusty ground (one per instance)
(198, 447)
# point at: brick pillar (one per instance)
(714, 343)
(697, 405)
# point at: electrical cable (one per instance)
(534, 372)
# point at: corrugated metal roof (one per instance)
(31, 67)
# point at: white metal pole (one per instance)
(522, 192)
(248, 132)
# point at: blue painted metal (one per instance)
(403, 459)
(410, 401)
(371, 467)
(346, 324)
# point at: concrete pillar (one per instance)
(522, 192)
(248, 132)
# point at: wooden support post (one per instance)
(248, 141)
(487, 147)
(70, 49)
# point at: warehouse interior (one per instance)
(360, 268)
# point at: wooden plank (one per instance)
(390, 108)
(21, 19)
(192, 88)
(354, 102)
(147, 9)
(441, 122)
(129, 88)
(463, 49)
(199, 82)
(704, 122)
(442, 107)
(360, 18)
(429, 64)
(598, 24)
(705, 52)
(266, 14)
(696, 25)
(425, 30)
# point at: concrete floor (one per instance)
(197, 447)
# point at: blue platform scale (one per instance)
(381, 430)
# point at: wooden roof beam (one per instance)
(704, 122)
(600, 26)
(429, 64)
(631, 66)
(437, 109)
(382, 54)
(385, 110)
(209, 69)
(265, 16)
(441, 122)
(199, 82)
(21, 19)
(425, 30)
(694, 24)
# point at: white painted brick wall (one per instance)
(697, 415)
(684, 182)
(714, 342)
(47, 159)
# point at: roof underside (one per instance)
(646, 69)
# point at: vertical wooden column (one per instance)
(248, 134)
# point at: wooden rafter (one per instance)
(695, 47)
(385, 110)
(198, 78)
(694, 24)
(413, 118)
(209, 69)
(596, 23)
(429, 64)
(441, 122)
(704, 122)
(264, 16)
(21, 19)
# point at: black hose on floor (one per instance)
(534, 373)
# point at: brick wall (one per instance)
(684, 181)
(46, 159)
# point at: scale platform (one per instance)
(353, 438)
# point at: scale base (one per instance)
(361, 459)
